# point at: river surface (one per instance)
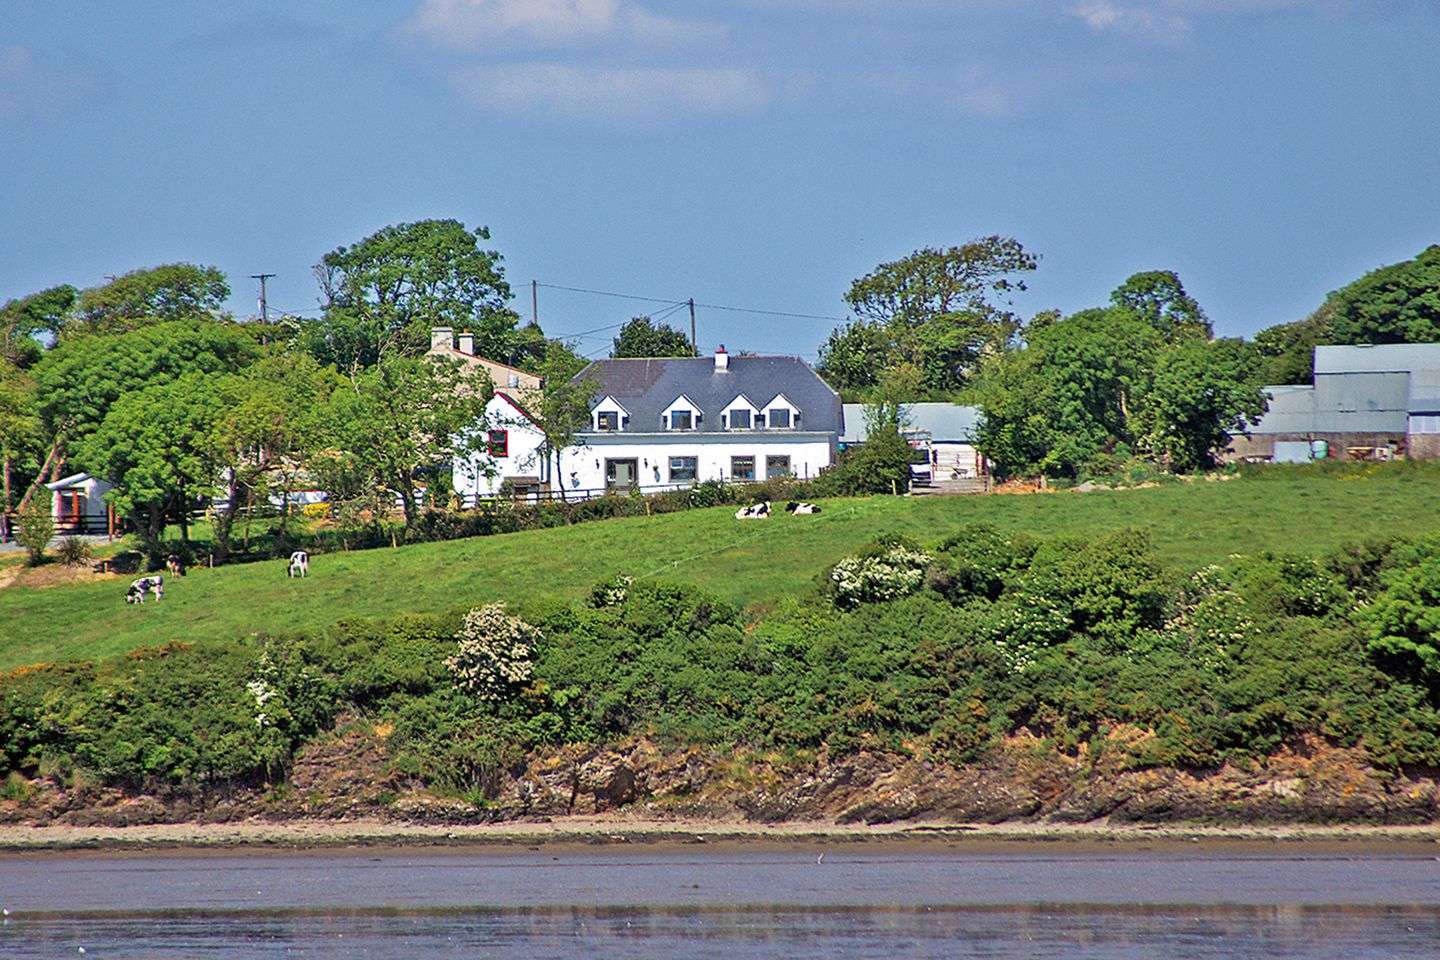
(861, 901)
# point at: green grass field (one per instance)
(751, 563)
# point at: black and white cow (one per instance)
(143, 587)
(175, 565)
(756, 511)
(299, 564)
(801, 507)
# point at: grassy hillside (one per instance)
(751, 563)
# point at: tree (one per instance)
(1201, 393)
(1138, 378)
(1159, 299)
(25, 320)
(20, 440)
(274, 418)
(561, 408)
(383, 294)
(941, 310)
(642, 337)
(405, 414)
(170, 292)
(1399, 303)
(153, 444)
(83, 377)
(1287, 351)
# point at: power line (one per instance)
(686, 302)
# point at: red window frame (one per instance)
(497, 442)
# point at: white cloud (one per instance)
(31, 85)
(1138, 20)
(643, 95)
(476, 24)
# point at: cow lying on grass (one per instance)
(756, 511)
(299, 564)
(143, 587)
(801, 508)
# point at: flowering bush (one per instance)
(611, 592)
(496, 654)
(886, 571)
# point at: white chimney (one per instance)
(467, 342)
(441, 338)
(722, 359)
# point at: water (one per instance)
(861, 901)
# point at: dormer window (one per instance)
(780, 414)
(609, 416)
(607, 420)
(741, 414)
(680, 415)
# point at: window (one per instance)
(682, 420)
(780, 417)
(742, 468)
(682, 468)
(739, 419)
(777, 466)
(497, 442)
(607, 420)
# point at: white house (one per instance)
(664, 423)
(78, 504)
(514, 450)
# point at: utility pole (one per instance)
(264, 311)
(535, 302)
(694, 347)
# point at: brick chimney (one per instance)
(467, 342)
(722, 359)
(442, 338)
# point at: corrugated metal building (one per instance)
(1368, 402)
(946, 431)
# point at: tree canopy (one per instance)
(170, 292)
(384, 293)
(938, 310)
(1395, 304)
(642, 337)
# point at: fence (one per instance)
(575, 495)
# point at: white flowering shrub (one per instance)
(611, 592)
(496, 654)
(883, 573)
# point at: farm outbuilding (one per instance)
(78, 504)
(1368, 402)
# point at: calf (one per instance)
(143, 587)
(756, 511)
(801, 507)
(299, 564)
(175, 565)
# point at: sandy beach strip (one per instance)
(262, 835)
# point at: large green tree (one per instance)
(1399, 303)
(938, 310)
(384, 293)
(170, 292)
(405, 414)
(1138, 378)
(23, 322)
(642, 337)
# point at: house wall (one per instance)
(584, 466)
(482, 475)
(1262, 446)
(92, 503)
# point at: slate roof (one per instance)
(646, 387)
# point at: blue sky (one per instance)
(749, 153)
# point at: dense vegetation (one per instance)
(944, 646)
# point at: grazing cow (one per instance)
(175, 565)
(299, 564)
(756, 511)
(143, 587)
(801, 507)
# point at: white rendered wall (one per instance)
(584, 466)
(473, 477)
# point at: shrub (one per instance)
(496, 653)
(74, 552)
(34, 527)
(888, 569)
